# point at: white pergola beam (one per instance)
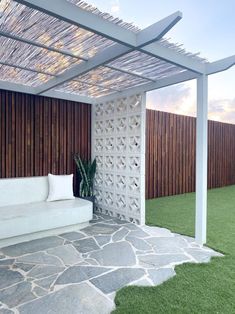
(220, 65)
(164, 82)
(14, 87)
(201, 160)
(69, 96)
(171, 56)
(98, 85)
(129, 72)
(157, 30)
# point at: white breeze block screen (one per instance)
(118, 143)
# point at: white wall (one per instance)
(118, 143)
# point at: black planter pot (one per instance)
(89, 198)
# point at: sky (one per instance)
(208, 27)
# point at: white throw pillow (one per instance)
(60, 187)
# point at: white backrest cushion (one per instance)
(60, 187)
(15, 191)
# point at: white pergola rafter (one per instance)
(164, 82)
(220, 65)
(53, 94)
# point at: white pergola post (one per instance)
(201, 159)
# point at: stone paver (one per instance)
(6, 311)
(42, 271)
(156, 260)
(87, 267)
(67, 254)
(74, 296)
(6, 262)
(138, 243)
(72, 236)
(32, 246)
(201, 256)
(39, 291)
(16, 294)
(9, 277)
(100, 228)
(117, 279)
(160, 275)
(86, 245)
(138, 234)
(77, 274)
(23, 266)
(167, 245)
(102, 240)
(40, 258)
(46, 282)
(157, 232)
(115, 254)
(144, 282)
(120, 234)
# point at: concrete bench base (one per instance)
(42, 234)
(25, 215)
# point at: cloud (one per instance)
(115, 6)
(222, 110)
(181, 99)
(110, 6)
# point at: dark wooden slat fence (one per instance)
(171, 154)
(38, 134)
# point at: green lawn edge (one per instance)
(197, 288)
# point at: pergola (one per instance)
(69, 50)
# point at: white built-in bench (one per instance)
(25, 215)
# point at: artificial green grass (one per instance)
(197, 288)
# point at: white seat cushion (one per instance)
(23, 219)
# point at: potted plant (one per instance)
(87, 170)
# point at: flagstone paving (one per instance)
(79, 272)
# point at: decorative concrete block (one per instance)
(121, 181)
(109, 180)
(119, 145)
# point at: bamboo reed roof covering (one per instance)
(36, 47)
